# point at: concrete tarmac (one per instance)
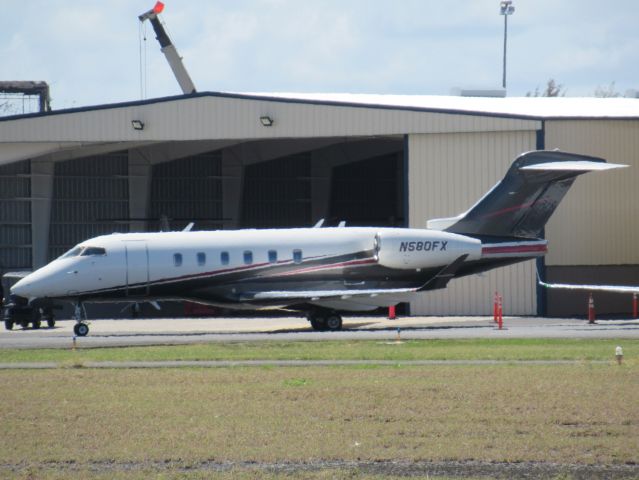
(117, 333)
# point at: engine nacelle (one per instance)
(414, 248)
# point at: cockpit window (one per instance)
(74, 252)
(93, 251)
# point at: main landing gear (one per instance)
(81, 329)
(322, 321)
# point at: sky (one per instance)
(93, 52)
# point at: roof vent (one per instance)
(479, 92)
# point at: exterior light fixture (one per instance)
(506, 8)
(137, 124)
(267, 121)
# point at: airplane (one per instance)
(319, 271)
(591, 288)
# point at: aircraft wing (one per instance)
(592, 288)
(350, 300)
(313, 295)
(440, 280)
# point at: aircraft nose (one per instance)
(33, 285)
(22, 288)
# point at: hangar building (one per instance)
(229, 161)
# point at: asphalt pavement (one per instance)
(114, 333)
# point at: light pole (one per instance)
(506, 8)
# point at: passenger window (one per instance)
(93, 251)
(224, 258)
(297, 256)
(201, 259)
(272, 256)
(177, 259)
(248, 257)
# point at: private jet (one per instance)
(318, 271)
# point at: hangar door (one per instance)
(15, 216)
(448, 173)
(90, 198)
(369, 192)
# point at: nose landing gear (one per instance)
(81, 329)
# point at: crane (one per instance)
(168, 49)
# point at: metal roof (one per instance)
(235, 117)
(540, 108)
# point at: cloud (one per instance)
(89, 50)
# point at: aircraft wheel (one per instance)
(8, 324)
(334, 322)
(36, 324)
(50, 322)
(318, 323)
(81, 329)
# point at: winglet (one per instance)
(445, 275)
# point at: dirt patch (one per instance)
(456, 469)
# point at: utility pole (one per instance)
(506, 8)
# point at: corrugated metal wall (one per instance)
(369, 192)
(188, 190)
(277, 193)
(597, 223)
(90, 198)
(15, 216)
(447, 174)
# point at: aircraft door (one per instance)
(137, 268)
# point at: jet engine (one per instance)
(414, 248)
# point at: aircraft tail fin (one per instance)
(523, 201)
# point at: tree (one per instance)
(607, 92)
(552, 90)
(6, 108)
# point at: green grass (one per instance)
(161, 423)
(508, 413)
(470, 349)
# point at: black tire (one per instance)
(334, 322)
(50, 322)
(36, 324)
(81, 329)
(24, 324)
(8, 324)
(318, 323)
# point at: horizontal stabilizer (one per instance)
(577, 166)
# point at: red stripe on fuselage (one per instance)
(518, 249)
(317, 268)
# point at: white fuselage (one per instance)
(179, 264)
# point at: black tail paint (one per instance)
(521, 204)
